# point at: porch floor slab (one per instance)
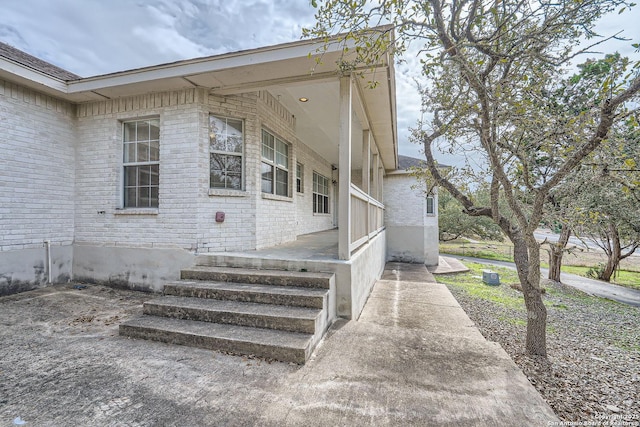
(413, 358)
(320, 246)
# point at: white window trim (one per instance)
(301, 178)
(433, 206)
(314, 193)
(222, 191)
(276, 166)
(136, 210)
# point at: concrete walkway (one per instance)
(590, 286)
(413, 358)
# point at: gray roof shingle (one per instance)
(23, 58)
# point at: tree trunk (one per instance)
(527, 260)
(613, 256)
(556, 253)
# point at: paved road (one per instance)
(590, 286)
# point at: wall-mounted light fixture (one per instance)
(303, 99)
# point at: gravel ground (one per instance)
(592, 374)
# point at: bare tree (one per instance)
(483, 65)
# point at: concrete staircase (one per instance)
(278, 315)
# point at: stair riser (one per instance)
(246, 296)
(218, 344)
(230, 318)
(263, 279)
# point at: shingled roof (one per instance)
(16, 55)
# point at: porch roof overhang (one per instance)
(289, 71)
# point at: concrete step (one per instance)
(292, 319)
(244, 260)
(264, 277)
(257, 293)
(268, 343)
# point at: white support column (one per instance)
(366, 161)
(344, 170)
(380, 182)
(375, 191)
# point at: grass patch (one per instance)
(501, 251)
(472, 283)
(629, 279)
(485, 250)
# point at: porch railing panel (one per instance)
(367, 217)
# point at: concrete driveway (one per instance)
(413, 358)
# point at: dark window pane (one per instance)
(282, 182)
(217, 179)
(153, 199)
(130, 152)
(144, 176)
(143, 152)
(217, 133)
(143, 197)
(130, 176)
(130, 197)
(267, 145)
(234, 164)
(142, 133)
(154, 170)
(217, 162)
(129, 132)
(234, 144)
(267, 178)
(154, 148)
(234, 181)
(154, 130)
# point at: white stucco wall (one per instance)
(36, 187)
(412, 234)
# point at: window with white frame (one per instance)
(275, 165)
(141, 162)
(430, 205)
(320, 194)
(299, 178)
(225, 152)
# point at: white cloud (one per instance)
(90, 37)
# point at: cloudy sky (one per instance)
(90, 37)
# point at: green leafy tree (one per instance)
(484, 65)
(570, 100)
(605, 210)
(453, 223)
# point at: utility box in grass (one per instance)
(491, 278)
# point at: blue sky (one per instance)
(90, 37)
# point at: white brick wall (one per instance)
(99, 172)
(78, 196)
(412, 234)
(405, 205)
(37, 169)
(238, 231)
(281, 220)
(306, 220)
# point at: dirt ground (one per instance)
(413, 358)
(60, 378)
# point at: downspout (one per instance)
(47, 245)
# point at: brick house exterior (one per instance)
(87, 198)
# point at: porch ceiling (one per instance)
(288, 71)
